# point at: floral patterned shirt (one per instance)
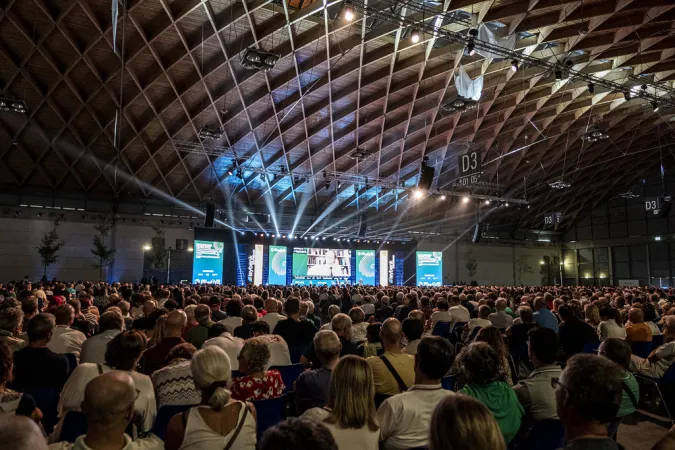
(249, 388)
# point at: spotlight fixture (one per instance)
(487, 202)
(418, 193)
(560, 184)
(326, 184)
(470, 48)
(643, 87)
(9, 104)
(210, 133)
(583, 30)
(655, 105)
(626, 95)
(349, 12)
(460, 104)
(255, 59)
(514, 65)
(443, 197)
(594, 134)
(465, 199)
(558, 74)
(506, 204)
(230, 171)
(415, 36)
(591, 88)
(240, 173)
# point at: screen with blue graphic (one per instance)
(365, 267)
(207, 265)
(429, 268)
(276, 273)
(321, 266)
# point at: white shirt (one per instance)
(230, 344)
(404, 418)
(151, 442)
(272, 319)
(653, 327)
(346, 438)
(359, 332)
(232, 322)
(66, 340)
(441, 316)
(200, 436)
(93, 349)
(459, 314)
(279, 353)
(610, 329)
(368, 308)
(500, 319)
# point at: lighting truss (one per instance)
(261, 60)
(201, 148)
(629, 195)
(210, 133)
(430, 28)
(560, 184)
(8, 104)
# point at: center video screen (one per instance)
(207, 265)
(321, 266)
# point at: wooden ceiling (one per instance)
(337, 85)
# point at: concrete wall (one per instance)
(20, 237)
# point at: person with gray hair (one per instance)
(11, 321)
(200, 333)
(501, 319)
(258, 383)
(195, 428)
(341, 325)
(332, 311)
(661, 358)
(311, 388)
(93, 349)
(20, 433)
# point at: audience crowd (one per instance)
(129, 366)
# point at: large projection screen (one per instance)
(365, 267)
(207, 263)
(429, 268)
(321, 266)
(276, 274)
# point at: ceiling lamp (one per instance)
(471, 46)
(443, 197)
(655, 106)
(349, 12)
(360, 153)
(460, 104)
(626, 95)
(594, 135)
(591, 88)
(8, 104)
(415, 36)
(558, 74)
(560, 184)
(210, 133)
(514, 65)
(465, 199)
(261, 60)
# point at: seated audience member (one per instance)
(609, 327)
(480, 366)
(249, 316)
(650, 317)
(158, 332)
(109, 405)
(80, 323)
(342, 326)
(493, 337)
(412, 331)
(20, 433)
(174, 384)
(200, 333)
(216, 313)
(349, 414)
(588, 395)
(574, 332)
(35, 360)
(333, 310)
(11, 401)
(233, 309)
(618, 351)
(30, 307)
(146, 321)
(279, 353)
(311, 388)
(191, 322)
(212, 424)
(296, 332)
(230, 345)
(384, 311)
(272, 317)
(535, 392)
(441, 314)
(372, 346)
(64, 338)
(297, 434)
(500, 318)
(258, 383)
(459, 313)
(661, 358)
(592, 315)
(367, 307)
(123, 354)
(636, 328)
(461, 422)
(477, 322)
(155, 357)
(543, 315)
(93, 349)
(359, 325)
(393, 371)
(128, 320)
(11, 320)
(517, 333)
(404, 418)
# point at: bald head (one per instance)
(20, 433)
(271, 305)
(176, 321)
(635, 315)
(109, 400)
(391, 333)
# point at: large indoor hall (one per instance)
(337, 224)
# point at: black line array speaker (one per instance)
(664, 205)
(210, 213)
(426, 177)
(363, 224)
(477, 232)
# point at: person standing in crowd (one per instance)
(311, 387)
(350, 412)
(404, 418)
(588, 397)
(543, 315)
(393, 371)
(93, 349)
(155, 357)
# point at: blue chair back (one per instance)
(270, 412)
(641, 349)
(164, 415)
(448, 382)
(474, 333)
(459, 325)
(296, 351)
(289, 374)
(591, 347)
(546, 435)
(441, 329)
(657, 341)
(669, 376)
(74, 426)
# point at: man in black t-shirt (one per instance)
(295, 331)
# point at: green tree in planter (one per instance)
(471, 265)
(523, 266)
(49, 247)
(104, 254)
(158, 253)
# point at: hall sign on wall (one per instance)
(469, 167)
(553, 219)
(653, 205)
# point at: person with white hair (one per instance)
(332, 311)
(20, 433)
(220, 421)
(660, 359)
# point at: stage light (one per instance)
(443, 197)
(643, 87)
(655, 106)
(415, 36)
(418, 193)
(291, 237)
(242, 233)
(514, 65)
(626, 95)
(146, 247)
(230, 171)
(262, 234)
(274, 235)
(591, 87)
(190, 249)
(284, 236)
(465, 199)
(349, 13)
(487, 202)
(558, 74)
(506, 204)
(470, 48)
(324, 238)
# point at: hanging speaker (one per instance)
(477, 232)
(210, 213)
(426, 177)
(665, 202)
(363, 225)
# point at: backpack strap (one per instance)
(100, 368)
(240, 425)
(401, 384)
